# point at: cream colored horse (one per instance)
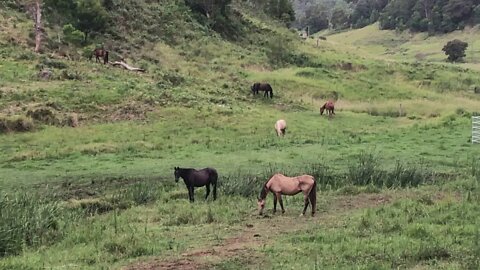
(280, 185)
(281, 127)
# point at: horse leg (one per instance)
(190, 194)
(307, 200)
(265, 93)
(214, 191)
(274, 203)
(208, 191)
(281, 202)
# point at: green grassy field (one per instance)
(398, 176)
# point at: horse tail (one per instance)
(214, 181)
(105, 57)
(313, 196)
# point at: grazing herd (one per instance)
(278, 184)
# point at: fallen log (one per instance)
(126, 66)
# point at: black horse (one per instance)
(198, 178)
(262, 87)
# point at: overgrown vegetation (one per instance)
(102, 195)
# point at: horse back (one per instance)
(261, 87)
(330, 104)
(280, 124)
(266, 87)
(280, 183)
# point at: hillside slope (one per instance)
(408, 46)
(100, 193)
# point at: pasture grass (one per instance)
(408, 233)
(101, 195)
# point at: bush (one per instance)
(72, 35)
(455, 50)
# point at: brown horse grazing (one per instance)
(198, 178)
(262, 87)
(280, 185)
(329, 106)
(99, 52)
(281, 127)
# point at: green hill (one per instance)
(88, 150)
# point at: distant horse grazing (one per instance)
(329, 106)
(280, 185)
(281, 127)
(99, 52)
(262, 87)
(198, 178)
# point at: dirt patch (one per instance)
(176, 265)
(258, 231)
(258, 68)
(130, 111)
(363, 200)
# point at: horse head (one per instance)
(176, 174)
(261, 205)
(322, 109)
(254, 88)
(261, 199)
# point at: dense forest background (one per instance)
(433, 16)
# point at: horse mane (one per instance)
(263, 192)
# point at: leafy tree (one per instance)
(210, 8)
(72, 35)
(282, 10)
(458, 10)
(339, 19)
(455, 49)
(91, 16)
(316, 18)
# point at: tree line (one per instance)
(433, 16)
(80, 19)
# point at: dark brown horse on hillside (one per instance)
(329, 106)
(100, 53)
(256, 87)
(280, 185)
(198, 178)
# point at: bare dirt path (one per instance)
(259, 231)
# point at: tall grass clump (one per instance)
(325, 177)
(476, 168)
(403, 175)
(242, 183)
(139, 194)
(29, 221)
(366, 170)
